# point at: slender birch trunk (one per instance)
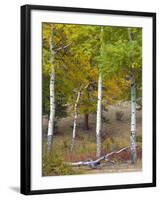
(98, 124)
(99, 102)
(52, 96)
(133, 111)
(133, 123)
(75, 120)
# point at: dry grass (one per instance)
(115, 135)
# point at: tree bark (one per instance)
(133, 110)
(133, 123)
(52, 96)
(75, 120)
(99, 102)
(98, 124)
(86, 121)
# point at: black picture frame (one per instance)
(26, 98)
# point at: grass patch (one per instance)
(54, 165)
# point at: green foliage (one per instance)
(89, 52)
(139, 138)
(54, 165)
(121, 54)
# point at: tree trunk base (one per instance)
(49, 143)
(72, 144)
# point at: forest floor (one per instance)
(115, 136)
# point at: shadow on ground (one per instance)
(14, 188)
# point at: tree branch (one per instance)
(63, 47)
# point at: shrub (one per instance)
(54, 164)
(139, 138)
(108, 145)
(66, 143)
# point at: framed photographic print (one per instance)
(88, 99)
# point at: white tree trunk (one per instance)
(133, 123)
(98, 124)
(133, 111)
(75, 120)
(52, 109)
(52, 96)
(51, 120)
(99, 102)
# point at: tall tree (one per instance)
(87, 45)
(99, 113)
(99, 102)
(81, 72)
(124, 57)
(133, 122)
(56, 45)
(52, 93)
(133, 110)
(81, 89)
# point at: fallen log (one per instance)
(117, 152)
(97, 162)
(90, 163)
